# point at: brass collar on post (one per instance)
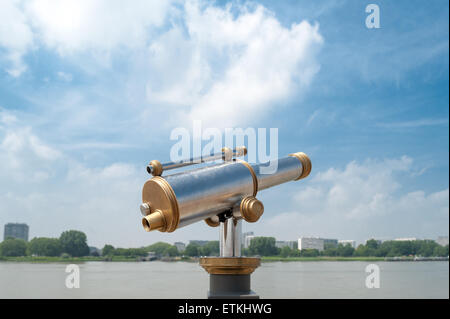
(230, 265)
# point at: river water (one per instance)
(188, 280)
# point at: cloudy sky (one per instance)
(90, 91)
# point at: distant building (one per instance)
(442, 240)
(310, 243)
(327, 242)
(16, 231)
(250, 233)
(406, 239)
(248, 240)
(199, 242)
(347, 242)
(281, 244)
(94, 251)
(180, 246)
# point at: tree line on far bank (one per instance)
(73, 243)
(162, 249)
(265, 246)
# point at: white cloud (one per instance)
(228, 68)
(15, 36)
(224, 66)
(7, 118)
(24, 157)
(363, 200)
(78, 25)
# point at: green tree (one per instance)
(108, 250)
(130, 252)
(13, 247)
(372, 244)
(285, 252)
(330, 251)
(211, 248)
(345, 250)
(309, 253)
(42, 246)
(74, 243)
(361, 251)
(171, 251)
(192, 250)
(263, 246)
(158, 248)
(426, 248)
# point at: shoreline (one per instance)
(33, 259)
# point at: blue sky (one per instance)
(90, 91)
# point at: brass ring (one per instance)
(255, 179)
(175, 220)
(229, 265)
(306, 164)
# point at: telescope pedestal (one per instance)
(229, 277)
(229, 274)
(230, 287)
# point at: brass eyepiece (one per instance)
(154, 221)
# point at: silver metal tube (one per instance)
(230, 238)
(237, 152)
(288, 169)
(204, 192)
(191, 161)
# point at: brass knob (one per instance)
(251, 209)
(145, 209)
(155, 168)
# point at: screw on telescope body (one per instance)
(145, 209)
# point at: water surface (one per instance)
(188, 280)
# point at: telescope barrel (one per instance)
(181, 199)
(155, 168)
(288, 169)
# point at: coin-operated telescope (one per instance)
(222, 195)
